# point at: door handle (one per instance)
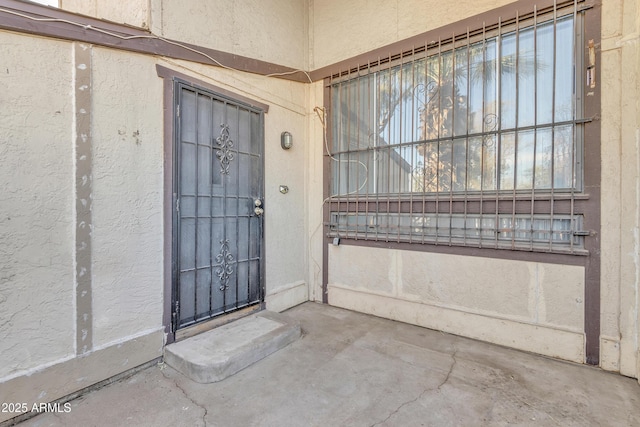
(258, 207)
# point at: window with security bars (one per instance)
(476, 140)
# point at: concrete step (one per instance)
(221, 352)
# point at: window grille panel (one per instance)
(475, 141)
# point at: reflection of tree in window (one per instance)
(458, 97)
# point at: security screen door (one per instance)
(218, 187)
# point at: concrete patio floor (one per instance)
(351, 369)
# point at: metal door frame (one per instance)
(170, 77)
(179, 84)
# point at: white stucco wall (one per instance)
(131, 12)
(343, 29)
(37, 221)
(37, 323)
(620, 278)
(269, 30)
(315, 186)
(128, 190)
(446, 292)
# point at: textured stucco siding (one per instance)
(269, 30)
(127, 195)
(315, 187)
(546, 298)
(36, 208)
(284, 213)
(130, 12)
(620, 275)
(343, 29)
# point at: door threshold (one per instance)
(216, 322)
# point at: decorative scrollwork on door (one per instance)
(224, 153)
(225, 262)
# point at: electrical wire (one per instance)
(320, 112)
(323, 117)
(149, 37)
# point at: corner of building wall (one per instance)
(154, 16)
(313, 185)
(309, 35)
(287, 296)
(610, 353)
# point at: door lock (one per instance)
(258, 207)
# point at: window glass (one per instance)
(477, 132)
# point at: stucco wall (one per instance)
(36, 211)
(446, 292)
(38, 282)
(367, 25)
(131, 12)
(620, 277)
(315, 186)
(128, 192)
(269, 30)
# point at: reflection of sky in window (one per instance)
(525, 84)
(518, 80)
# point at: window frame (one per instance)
(562, 202)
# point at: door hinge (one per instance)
(178, 110)
(174, 317)
(177, 205)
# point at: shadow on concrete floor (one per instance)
(351, 369)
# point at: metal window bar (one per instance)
(517, 123)
(369, 135)
(535, 119)
(498, 145)
(196, 220)
(388, 149)
(438, 136)
(400, 97)
(466, 157)
(413, 152)
(404, 152)
(553, 116)
(348, 142)
(484, 77)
